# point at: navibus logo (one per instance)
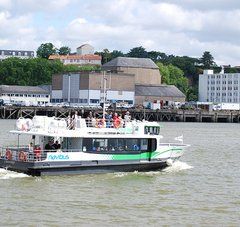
(58, 157)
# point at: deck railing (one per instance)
(25, 155)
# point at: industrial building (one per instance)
(86, 88)
(24, 95)
(132, 81)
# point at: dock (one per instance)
(174, 115)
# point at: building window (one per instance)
(94, 100)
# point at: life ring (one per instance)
(22, 156)
(8, 154)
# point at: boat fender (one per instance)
(22, 156)
(29, 124)
(37, 152)
(8, 154)
(169, 162)
(21, 124)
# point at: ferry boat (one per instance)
(65, 146)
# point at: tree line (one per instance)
(181, 71)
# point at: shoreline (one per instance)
(163, 115)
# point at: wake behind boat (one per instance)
(79, 146)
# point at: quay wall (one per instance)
(14, 112)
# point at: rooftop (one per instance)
(22, 89)
(75, 56)
(131, 62)
(85, 45)
(160, 90)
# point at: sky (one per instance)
(178, 27)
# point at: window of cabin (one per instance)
(152, 130)
(118, 145)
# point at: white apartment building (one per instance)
(219, 88)
(16, 53)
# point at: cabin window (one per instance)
(152, 130)
(118, 145)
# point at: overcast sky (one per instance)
(178, 27)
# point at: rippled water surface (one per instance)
(200, 189)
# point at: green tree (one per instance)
(31, 72)
(116, 53)
(138, 52)
(64, 50)
(207, 60)
(164, 71)
(45, 50)
(172, 75)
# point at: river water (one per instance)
(200, 189)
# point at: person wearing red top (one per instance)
(116, 121)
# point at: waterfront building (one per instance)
(219, 87)
(148, 87)
(163, 94)
(145, 70)
(130, 81)
(16, 53)
(86, 88)
(24, 95)
(84, 56)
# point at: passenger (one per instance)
(57, 145)
(49, 145)
(121, 122)
(89, 119)
(31, 154)
(116, 121)
(108, 118)
(127, 117)
(75, 119)
(69, 122)
(101, 123)
(135, 147)
(94, 122)
(30, 147)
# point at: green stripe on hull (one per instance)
(142, 156)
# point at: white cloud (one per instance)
(5, 4)
(179, 27)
